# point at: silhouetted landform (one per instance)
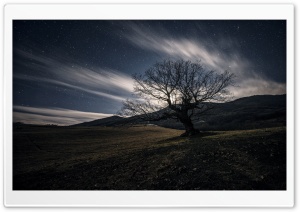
(253, 112)
(18, 125)
(109, 121)
(245, 113)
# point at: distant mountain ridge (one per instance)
(102, 122)
(252, 112)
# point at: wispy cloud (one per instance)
(191, 48)
(58, 116)
(64, 84)
(258, 86)
(63, 72)
(219, 54)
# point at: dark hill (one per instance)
(109, 121)
(245, 113)
(252, 112)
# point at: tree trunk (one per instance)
(189, 127)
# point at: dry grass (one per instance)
(61, 147)
(148, 157)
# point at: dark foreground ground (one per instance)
(147, 157)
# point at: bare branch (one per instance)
(177, 89)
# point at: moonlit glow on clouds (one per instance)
(57, 116)
(67, 72)
(63, 73)
(211, 55)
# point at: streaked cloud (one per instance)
(64, 84)
(258, 86)
(218, 54)
(57, 116)
(63, 72)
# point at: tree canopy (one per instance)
(177, 89)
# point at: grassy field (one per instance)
(147, 158)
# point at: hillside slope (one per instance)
(245, 113)
(102, 122)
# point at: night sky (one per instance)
(67, 72)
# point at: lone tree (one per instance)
(180, 90)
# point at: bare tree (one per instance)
(180, 90)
